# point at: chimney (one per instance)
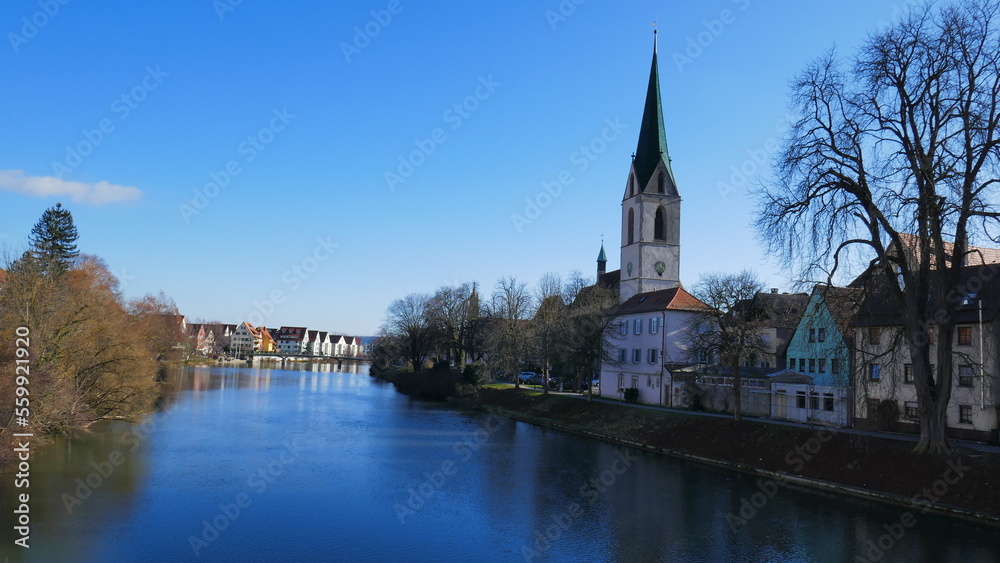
(774, 291)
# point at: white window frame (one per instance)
(637, 325)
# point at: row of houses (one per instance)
(245, 338)
(836, 356)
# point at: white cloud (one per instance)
(100, 193)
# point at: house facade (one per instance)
(885, 391)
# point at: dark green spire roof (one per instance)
(652, 138)
(602, 257)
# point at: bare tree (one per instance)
(730, 328)
(548, 325)
(509, 310)
(905, 141)
(452, 309)
(591, 332)
(408, 325)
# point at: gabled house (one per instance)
(779, 315)
(292, 339)
(816, 387)
(651, 331)
(885, 393)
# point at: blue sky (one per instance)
(247, 160)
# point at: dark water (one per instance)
(271, 465)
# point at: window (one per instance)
(835, 367)
(874, 335)
(659, 184)
(965, 376)
(649, 382)
(791, 363)
(813, 401)
(631, 226)
(654, 355)
(812, 365)
(812, 335)
(828, 402)
(624, 327)
(800, 399)
(702, 356)
(658, 221)
(875, 372)
(637, 325)
(964, 414)
(965, 336)
(765, 365)
(622, 354)
(636, 355)
(635, 382)
(654, 325)
(910, 410)
(621, 381)
(821, 335)
(822, 365)
(908, 373)
(802, 365)
(631, 185)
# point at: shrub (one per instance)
(631, 394)
(473, 373)
(442, 365)
(886, 413)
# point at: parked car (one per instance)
(554, 382)
(530, 378)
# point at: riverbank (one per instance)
(964, 484)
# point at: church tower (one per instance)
(651, 207)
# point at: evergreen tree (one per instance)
(53, 240)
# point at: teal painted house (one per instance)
(816, 386)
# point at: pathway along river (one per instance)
(278, 465)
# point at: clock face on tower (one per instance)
(629, 268)
(660, 267)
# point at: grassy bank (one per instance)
(962, 484)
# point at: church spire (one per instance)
(652, 137)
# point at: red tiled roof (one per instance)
(675, 299)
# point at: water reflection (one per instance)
(334, 466)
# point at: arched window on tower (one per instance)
(631, 226)
(658, 221)
(631, 185)
(659, 184)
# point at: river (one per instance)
(302, 465)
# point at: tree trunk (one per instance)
(737, 391)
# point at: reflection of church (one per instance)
(654, 306)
